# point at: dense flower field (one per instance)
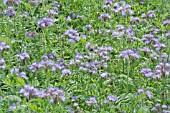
(84, 56)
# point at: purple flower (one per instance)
(52, 12)
(11, 2)
(122, 8)
(31, 34)
(89, 27)
(78, 58)
(120, 27)
(22, 75)
(46, 63)
(41, 94)
(66, 72)
(91, 101)
(55, 94)
(23, 56)
(145, 50)
(149, 94)
(164, 56)
(28, 91)
(70, 109)
(147, 72)
(51, 56)
(56, 4)
(2, 64)
(45, 22)
(2, 61)
(154, 56)
(73, 35)
(10, 12)
(148, 38)
(104, 16)
(14, 70)
(135, 20)
(129, 31)
(166, 22)
(75, 104)
(164, 106)
(167, 34)
(129, 54)
(74, 98)
(14, 105)
(157, 105)
(154, 109)
(143, 15)
(68, 19)
(105, 74)
(83, 36)
(117, 35)
(112, 98)
(155, 30)
(163, 68)
(159, 46)
(3, 46)
(151, 14)
(34, 66)
(106, 101)
(140, 91)
(108, 2)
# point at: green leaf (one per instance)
(35, 83)
(6, 40)
(20, 81)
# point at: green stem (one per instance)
(44, 39)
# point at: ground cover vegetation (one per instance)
(84, 56)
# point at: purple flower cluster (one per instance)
(74, 99)
(161, 70)
(23, 56)
(11, 2)
(52, 12)
(18, 73)
(105, 74)
(108, 2)
(147, 92)
(129, 53)
(110, 98)
(92, 101)
(45, 22)
(31, 34)
(3, 47)
(149, 38)
(155, 30)
(122, 8)
(54, 93)
(134, 20)
(166, 22)
(150, 14)
(104, 16)
(73, 35)
(158, 108)
(46, 64)
(10, 12)
(29, 91)
(92, 65)
(122, 30)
